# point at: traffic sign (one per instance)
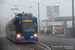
(50, 18)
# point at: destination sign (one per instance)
(26, 20)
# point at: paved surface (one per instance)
(45, 42)
(56, 42)
(6, 44)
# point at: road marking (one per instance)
(32, 49)
(42, 47)
(17, 48)
(45, 46)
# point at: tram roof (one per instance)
(25, 18)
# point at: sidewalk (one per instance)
(58, 35)
(54, 34)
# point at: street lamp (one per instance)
(39, 14)
(73, 17)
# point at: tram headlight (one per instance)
(18, 36)
(35, 35)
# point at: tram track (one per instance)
(34, 46)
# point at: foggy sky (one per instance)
(24, 5)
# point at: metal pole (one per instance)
(53, 25)
(39, 16)
(73, 16)
(53, 21)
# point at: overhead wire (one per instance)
(41, 1)
(11, 4)
(35, 5)
(28, 9)
(28, 6)
(25, 6)
(31, 7)
(18, 3)
(6, 3)
(60, 2)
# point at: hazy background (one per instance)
(24, 5)
(31, 6)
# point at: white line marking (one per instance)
(32, 49)
(42, 47)
(45, 46)
(17, 48)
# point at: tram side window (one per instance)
(13, 26)
(10, 27)
(6, 29)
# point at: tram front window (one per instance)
(27, 27)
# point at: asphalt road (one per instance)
(45, 42)
(58, 42)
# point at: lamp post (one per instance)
(39, 15)
(73, 17)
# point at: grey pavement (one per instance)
(55, 42)
(58, 42)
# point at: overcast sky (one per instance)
(24, 5)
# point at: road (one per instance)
(45, 42)
(58, 42)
